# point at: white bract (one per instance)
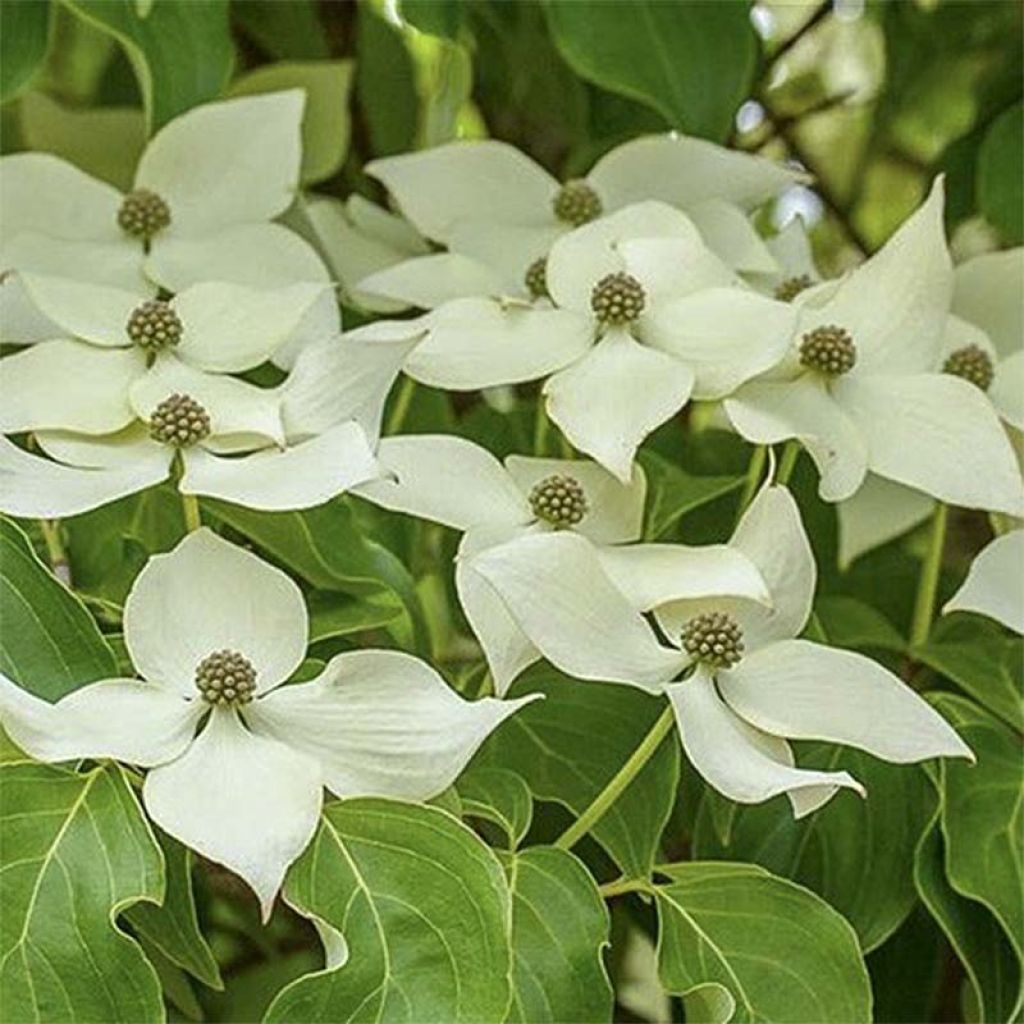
(238, 761)
(289, 447)
(995, 583)
(739, 681)
(797, 271)
(861, 389)
(453, 481)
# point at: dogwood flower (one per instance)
(237, 760)
(207, 188)
(289, 447)
(796, 272)
(489, 201)
(738, 679)
(451, 480)
(995, 583)
(860, 389)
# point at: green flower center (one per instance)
(789, 289)
(143, 214)
(536, 278)
(576, 203)
(617, 298)
(972, 363)
(179, 421)
(714, 639)
(829, 350)
(154, 326)
(559, 500)
(226, 678)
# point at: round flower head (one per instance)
(237, 761)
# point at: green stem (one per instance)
(928, 581)
(622, 778)
(50, 529)
(754, 472)
(622, 886)
(788, 461)
(401, 407)
(540, 427)
(190, 506)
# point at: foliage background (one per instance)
(874, 99)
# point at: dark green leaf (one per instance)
(75, 850)
(1000, 180)
(385, 85)
(499, 796)
(24, 34)
(559, 929)
(290, 31)
(414, 911)
(50, 644)
(848, 622)
(436, 17)
(181, 50)
(693, 62)
(333, 615)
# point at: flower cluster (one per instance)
(181, 331)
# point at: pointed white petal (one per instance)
(480, 181)
(683, 171)
(506, 647)
(791, 248)
(229, 327)
(430, 281)
(937, 433)
(254, 255)
(58, 385)
(278, 480)
(653, 574)
(726, 754)
(995, 583)
(988, 291)
(381, 723)
(93, 312)
(895, 305)
(480, 343)
(225, 163)
(21, 323)
(241, 414)
(39, 192)
(125, 719)
(806, 691)
(507, 249)
(116, 262)
(960, 333)
(609, 401)
(130, 447)
(728, 233)
(880, 511)
(1007, 390)
(615, 511)
(669, 268)
(448, 479)
(766, 412)
(724, 335)
(555, 588)
(208, 595)
(338, 379)
(579, 259)
(242, 800)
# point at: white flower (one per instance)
(360, 238)
(797, 271)
(453, 481)
(207, 187)
(861, 392)
(289, 447)
(995, 583)
(752, 683)
(489, 201)
(246, 791)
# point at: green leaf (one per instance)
(24, 36)
(916, 951)
(692, 62)
(415, 913)
(559, 928)
(983, 659)
(180, 50)
(499, 796)
(291, 31)
(172, 927)
(568, 746)
(856, 854)
(326, 125)
(385, 85)
(1000, 180)
(436, 17)
(781, 952)
(76, 850)
(49, 643)
(848, 622)
(333, 615)
(105, 142)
